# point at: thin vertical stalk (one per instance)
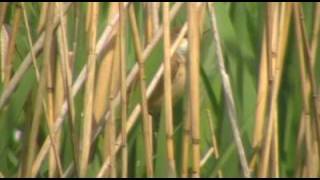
(228, 95)
(272, 12)
(315, 34)
(88, 109)
(43, 15)
(110, 133)
(193, 78)
(50, 65)
(136, 112)
(138, 48)
(67, 84)
(3, 11)
(101, 101)
(12, 43)
(167, 90)
(305, 58)
(4, 41)
(27, 61)
(155, 15)
(149, 22)
(30, 152)
(101, 47)
(123, 87)
(25, 17)
(4, 36)
(186, 142)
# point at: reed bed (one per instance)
(123, 89)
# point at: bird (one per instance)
(178, 78)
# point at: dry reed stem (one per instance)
(30, 152)
(4, 36)
(4, 41)
(315, 34)
(102, 89)
(110, 132)
(155, 15)
(136, 112)
(11, 46)
(67, 83)
(186, 141)
(113, 87)
(102, 44)
(193, 78)
(272, 24)
(149, 22)
(123, 87)
(50, 65)
(142, 82)
(26, 21)
(27, 61)
(42, 18)
(229, 96)
(168, 90)
(305, 58)
(261, 98)
(263, 91)
(55, 157)
(3, 11)
(88, 105)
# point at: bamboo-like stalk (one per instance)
(278, 56)
(104, 92)
(55, 156)
(155, 15)
(4, 41)
(101, 101)
(149, 22)
(272, 26)
(88, 108)
(42, 18)
(315, 34)
(77, 12)
(113, 87)
(50, 65)
(228, 95)
(30, 152)
(101, 48)
(144, 105)
(88, 17)
(25, 17)
(186, 141)
(110, 132)
(305, 58)
(261, 104)
(3, 11)
(263, 91)
(137, 110)
(272, 12)
(67, 84)
(193, 78)
(4, 36)
(12, 42)
(167, 90)
(123, 87)
(27, 61)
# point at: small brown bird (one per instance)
(178, 78)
